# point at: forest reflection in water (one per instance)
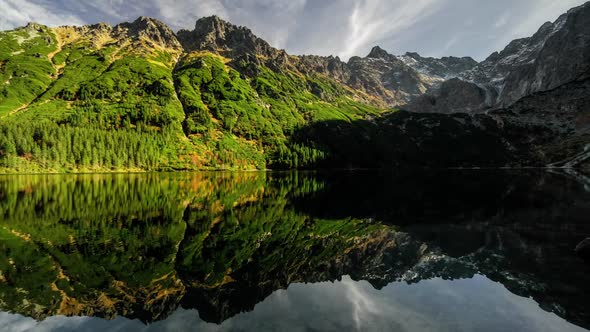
(415, 248)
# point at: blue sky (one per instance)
(339, 27)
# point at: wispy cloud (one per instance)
(19, 12)
(272, 19)
(372, 20)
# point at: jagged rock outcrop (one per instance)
(216, 35)
(445, 67)
(394, 80)
(143, 34)
(150, 29)
(330, 66)
(386, 76)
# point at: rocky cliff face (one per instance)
(142, 34)
(151, 30)
(392, 80)
(557, 54)
(444, 68)
(386, 76)
(216, 35)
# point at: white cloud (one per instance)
(184, 13)
(19, 12)
(361, 301)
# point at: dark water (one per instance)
(340, 251)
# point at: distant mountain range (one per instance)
(138, 96)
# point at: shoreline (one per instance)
(564, 170)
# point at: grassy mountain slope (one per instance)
(101, 98)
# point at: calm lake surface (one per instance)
(318, 251)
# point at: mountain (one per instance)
(557, 54)
(444, 68)
(137, 96)
(216, 35)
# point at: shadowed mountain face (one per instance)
(547, 128)
(141, 246)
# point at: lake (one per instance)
(453, 250)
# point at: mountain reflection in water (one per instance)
(449, 250)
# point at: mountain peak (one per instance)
(413, 55)
(34, 26)
(144, 22)
(214, 28)
(378, 53)
(211, 19)
(153, 30)
(214, 34)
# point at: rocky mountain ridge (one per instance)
(523, 67)
(144, 32)
(390, 80)
(556, 54)
(551, 57)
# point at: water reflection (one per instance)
(476, 304)
(223, 244)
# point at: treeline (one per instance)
(297, 156)
(51, 146)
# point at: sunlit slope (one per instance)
(129, 97)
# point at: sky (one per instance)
(324, 27)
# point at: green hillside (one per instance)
(85, 99)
